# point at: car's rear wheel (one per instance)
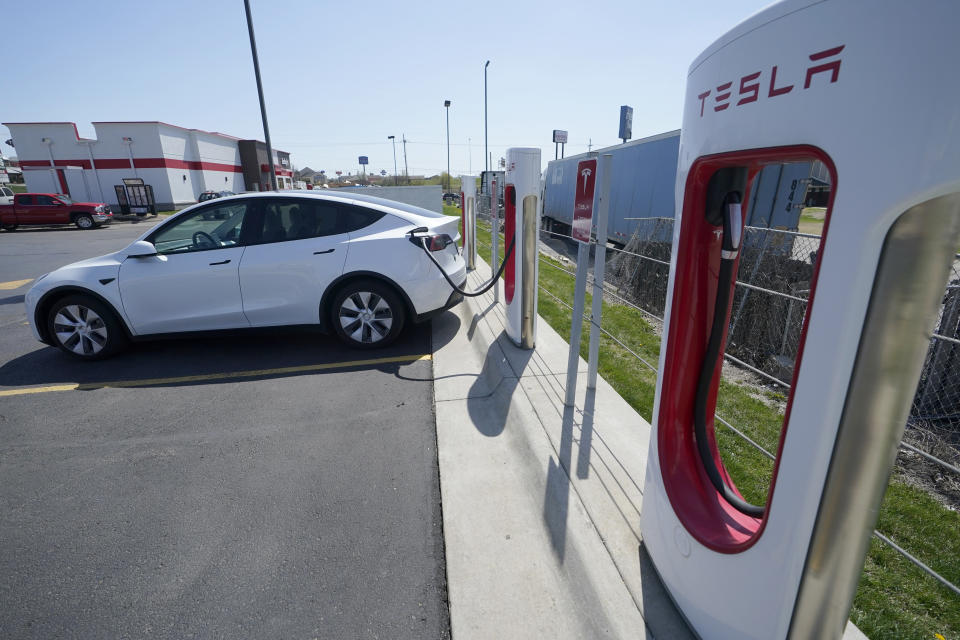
(83, 221)
(10, 227)
(85, 328)
(367, 314)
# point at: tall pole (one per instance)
(486, 151)
(406, 169)
(447, 105)
(263, 105)
(393, 139)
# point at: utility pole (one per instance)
(590, 145)
(406, 170)
(393, 139)
(470, 154)
(263, 106)
(486, 150)
(446, 104)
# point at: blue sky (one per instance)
(340, 77)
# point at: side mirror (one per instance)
(141, 249)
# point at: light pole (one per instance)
(394, 140)
(486, 151)
(263, 105)
(446, 104)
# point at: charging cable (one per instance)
(732, 233)
(482, 290)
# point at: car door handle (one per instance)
(221, 262)
(317, 253)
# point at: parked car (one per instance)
(6, 195)
(212, 195)
(53, 208)
(348, 263)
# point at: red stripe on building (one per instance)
(280, 172)
(140, 163)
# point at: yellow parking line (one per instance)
(14, 284)
(23, 392)
(253, 373)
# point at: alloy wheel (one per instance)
(366, 317)
(80, 329)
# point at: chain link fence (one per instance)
(769, 305)
(772, 289)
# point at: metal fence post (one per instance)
(576, 325)
(599, 269)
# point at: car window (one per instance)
(214, 227)
(285, 220)
(25, 200)
(43, 200)
(355, 218)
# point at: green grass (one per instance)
(894, 600)
(18, 188)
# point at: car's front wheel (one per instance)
(85, 328)
(83, 221)
(367, 314)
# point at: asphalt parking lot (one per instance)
(267, 485)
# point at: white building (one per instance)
(178, 163)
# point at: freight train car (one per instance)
(642, 190)
(641, 185)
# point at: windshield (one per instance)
(64, 199)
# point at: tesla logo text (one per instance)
(750, 84)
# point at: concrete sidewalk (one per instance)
(541, 504)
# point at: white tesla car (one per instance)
(353, 264)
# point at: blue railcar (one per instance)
(644, 173)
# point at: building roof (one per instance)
(156, 122)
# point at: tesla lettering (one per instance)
(749, 85)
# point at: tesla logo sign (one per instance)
(583, 202)
(751, 85)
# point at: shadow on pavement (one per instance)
(212, 355)
(490, 418)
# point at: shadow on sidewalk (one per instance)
(490, 394)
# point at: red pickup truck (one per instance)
(52, 208)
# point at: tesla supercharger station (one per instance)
(468, 204)
(521, 227)
(869, 91)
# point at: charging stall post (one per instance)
(760, 95)
(468, 204)
(586, 180)
(521, 228)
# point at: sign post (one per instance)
(559, 140)
(494, 236)
(582, 221)
(364, 161)
(599, 267)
